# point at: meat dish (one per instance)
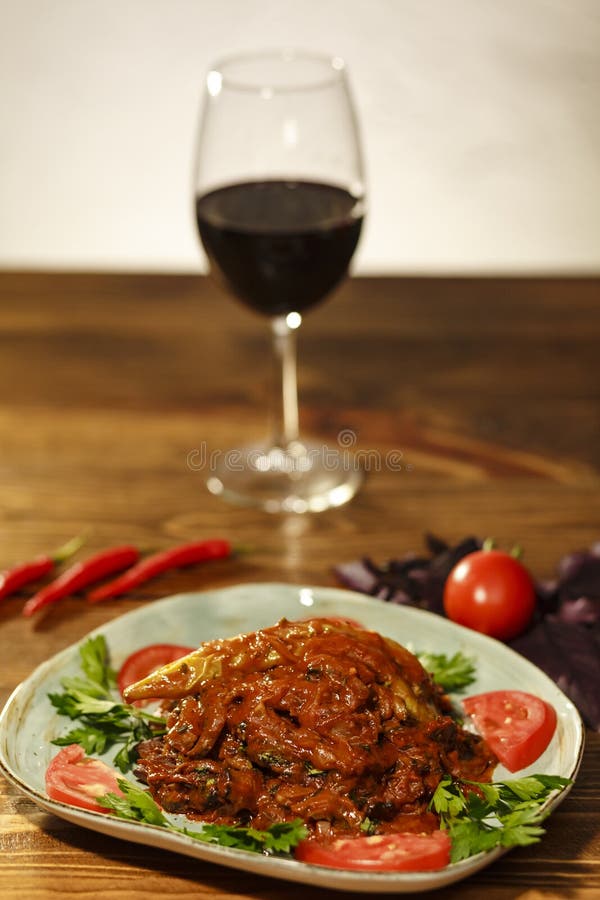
(318, 719)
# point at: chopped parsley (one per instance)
(137, 804)
(452, 673)
(103, 720)
(479, 817)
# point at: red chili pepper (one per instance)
(83, 574)
(11, 580)
(175, 558)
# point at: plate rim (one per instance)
(285, 868)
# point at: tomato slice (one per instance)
(402, 852)
(146, 660)
(76, 779)
(517, 726)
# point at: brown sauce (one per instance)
(316, 720)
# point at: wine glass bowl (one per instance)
(280, 198)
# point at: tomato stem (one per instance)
(490, 544)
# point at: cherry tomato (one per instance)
(379, 852)
(146, 660)
(517, 726)
(76, 779)
(491, 592)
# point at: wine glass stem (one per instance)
(286, 429)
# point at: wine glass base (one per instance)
(302, 478)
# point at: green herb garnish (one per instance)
(480, 816)
(139, 806)
(452, 673)
(104, 721)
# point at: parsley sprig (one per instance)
(137, 804)
(93, 701)
(452, 673)
(479, 817)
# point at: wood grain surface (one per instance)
(473, 402)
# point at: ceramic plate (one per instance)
(28, 722)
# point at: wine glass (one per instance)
(280, 198)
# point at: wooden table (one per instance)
(486, 391)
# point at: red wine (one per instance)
(280, 246)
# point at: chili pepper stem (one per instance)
(67, 550)
(242, 549)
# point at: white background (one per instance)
(481, 124)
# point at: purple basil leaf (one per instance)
(579, 577)
(399, 581)
(442, 564)
(435, 544)
(569, 564)
(410, 579)
(357, 576)
(584, 610)
(547, 598)
(439, 569)
(401, 597)
(568, 653)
